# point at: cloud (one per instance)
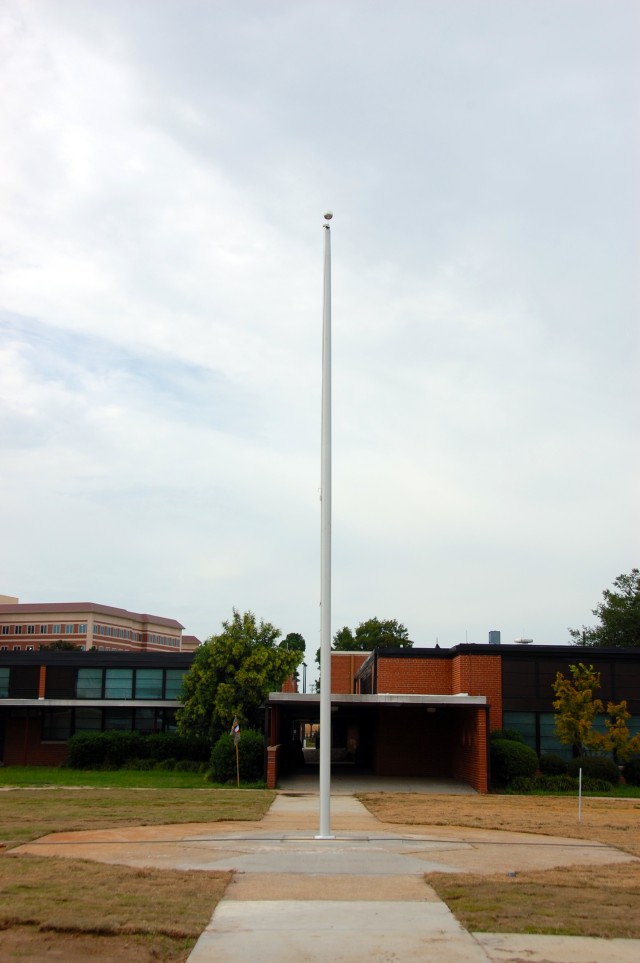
(164, 173)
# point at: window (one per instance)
(170, 724)
(56, 725)
(89, 684)
(4, 648)
(18, 630)
(5, 629)
(522, 722)
(43, 630)
(118, 684)
(68, 629)
(16, 648)
(148, 683)
(29, 648)
(82, 628)
(148, 720)
(31, 629)
(173, 683)
(4, 682)
(549, 742)
(118, 719)
(88, 719)
(56, 630)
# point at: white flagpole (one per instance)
(325, 550)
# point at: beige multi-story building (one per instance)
(87, 625)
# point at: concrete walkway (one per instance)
(362, 897)
(358, 897)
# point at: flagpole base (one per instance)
(318, 836)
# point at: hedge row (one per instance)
(562, 783)
(113, 749)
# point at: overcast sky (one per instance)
(164, 168)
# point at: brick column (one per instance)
(272, 766)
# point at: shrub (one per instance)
(552, 765)
(114, 749)
(561, 783)
(597, 767)
(512, 735)
(250, 755)
(511, 759)
(631, 772)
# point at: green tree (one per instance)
(295, 642)
(60, 645)
(618, 615)
(369, 635)
(231, 675)
(576, 711)
(372, 634)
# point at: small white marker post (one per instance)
(579, 795)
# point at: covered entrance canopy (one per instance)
(419, 736)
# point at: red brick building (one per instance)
(396, 712)
(429, 712)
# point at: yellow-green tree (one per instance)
(576, 711)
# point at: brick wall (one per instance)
(414, 676)
(469, 749)
(481, 675)
(23, 747)
(344, 666)
(409, 741)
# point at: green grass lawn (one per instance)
(111, 778)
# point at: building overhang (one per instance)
(381, 699)
(90, 703)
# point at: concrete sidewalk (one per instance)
(362, 897)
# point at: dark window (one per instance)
(60, 682)
(56, 725)
(23, 682)
(118, 719)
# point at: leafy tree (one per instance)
(618, 615)
(60, 645)
(575, 707)
(576, 711)
(231, 675)
(372, 634)
(294, 641)
(369, 635)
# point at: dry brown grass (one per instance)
(570, 901)
(615, 822)
(156, 914)
(580, 901)
(27, 814)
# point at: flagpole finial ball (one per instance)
(328, 215)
